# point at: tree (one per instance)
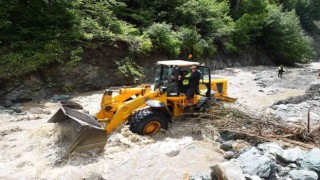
(164, 39)
(285, 37)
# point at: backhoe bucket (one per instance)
(78, 131)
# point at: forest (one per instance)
(37, 33)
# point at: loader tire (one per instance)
(148, 121)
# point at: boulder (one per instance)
(270, 149)
(7, 103)
(290, 155)
(311, 161)
(253, 177)
(303, 175)
(282, 107)
(255, 163)
(228, 154)
(170, 149)
(60, 97)
(239, 145)
(229, 170)
(226, 146)
(203, 176)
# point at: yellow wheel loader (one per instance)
(145, 109)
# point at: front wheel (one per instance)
(148, 121)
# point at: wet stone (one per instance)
(270, 149)
(282, 107)
(291, 155)
(60, 97)
(311, 161)
(17, 110)
(7, 103)
(253, 177)
(228, 170)
(228, 154)
(303, 175)
(226, 145)
(203, 176)
(255, 163)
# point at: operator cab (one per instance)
(167, 73)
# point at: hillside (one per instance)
(42, 42)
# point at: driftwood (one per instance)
(257, 128)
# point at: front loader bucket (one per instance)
(78, 131)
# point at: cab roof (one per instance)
(179, 63)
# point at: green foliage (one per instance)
(36, 33)
(307, 10)
(208, 16)
(284, 35)
(250, 22)
(130, 69)
(144, 13)
(29, 59)
(191, 42)
(140, 45)
(164, 38)
(76, 56)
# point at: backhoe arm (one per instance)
(124, 112)
(109, 104)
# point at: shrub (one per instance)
(130, 69)
(284, 35)
(164, 38)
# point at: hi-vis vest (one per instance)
(186, 81)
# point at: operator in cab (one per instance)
(193, 84)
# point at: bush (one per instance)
(285, 37)
(164, 38)
(191, 42)
(130, 69)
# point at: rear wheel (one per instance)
(148, 121)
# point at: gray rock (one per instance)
(226, 145)
(253, 177)
(17, 105)
(255, 163)
(60, 97)
(291, 155)
(229, 170)
(17, 110)
(283, 171)
(203, 176)
(304, 105)
(292, 165)
(7, 103)
(282, 107)
(311, 161)
(303, 175)
(170, 149)
(270, 149)
(94, 176)
(228, 154)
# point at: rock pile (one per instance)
(268, 161)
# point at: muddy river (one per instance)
(28, 143)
